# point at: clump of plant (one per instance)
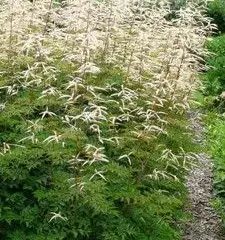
(93, 97)
(216, 140)
(214, 79)
(216, 10)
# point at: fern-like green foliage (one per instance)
(214, 79)
(41, 192)
(216, 137)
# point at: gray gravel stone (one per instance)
(205, 224)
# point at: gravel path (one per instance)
(205, 224)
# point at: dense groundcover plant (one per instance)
(93, 96)
(216, 10)
(214, 78)
(216, 139)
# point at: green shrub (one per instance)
(214, 79)
(41, 192)
(216, 10)
(216, 140)
(91, 150)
